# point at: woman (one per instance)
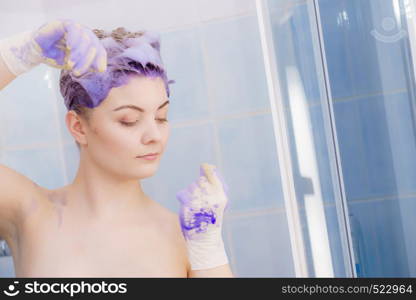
(103, 224)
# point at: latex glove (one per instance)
(202, 206)
(62, 44)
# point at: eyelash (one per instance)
(130, 124)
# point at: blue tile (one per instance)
(376, 146)
(71, 159)
(28, 112)
(250, 162)
(261, 246)
(408, 221)
(234, 65)
(209, 9)
(376, 152)
(400, 135)
(353, 160)
(43, 165)
(182, 55)
(358, 63)
(382, 238)
(187, 148)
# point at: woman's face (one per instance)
(130, 122)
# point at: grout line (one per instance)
(385, 198)
(266, 211)
(361, 96)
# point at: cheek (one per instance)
(165, 135)
(112, 139)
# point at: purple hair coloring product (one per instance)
(127, 54)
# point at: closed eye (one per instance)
(129, 124)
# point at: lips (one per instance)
(149, 155)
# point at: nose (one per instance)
(152, 132)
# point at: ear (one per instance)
(76, 127)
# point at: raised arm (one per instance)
(14, 188)
(6, 76)
(63, 44)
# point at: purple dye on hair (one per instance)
(132, 56)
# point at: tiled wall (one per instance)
(219, 114)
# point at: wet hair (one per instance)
(128, 53)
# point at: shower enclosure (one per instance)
(306, 106)
(341, 86)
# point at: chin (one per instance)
(147, 171)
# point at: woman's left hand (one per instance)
(202, 206)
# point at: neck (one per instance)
(103, 195)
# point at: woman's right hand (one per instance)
(65, 44)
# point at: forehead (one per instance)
(144, 91)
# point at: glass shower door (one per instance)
(341, 82)
(305, 139)
(368, 46)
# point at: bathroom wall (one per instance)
(219, 113)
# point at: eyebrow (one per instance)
(138, 108)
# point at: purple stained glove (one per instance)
(61, 43)
(66, 44)
(202, 206)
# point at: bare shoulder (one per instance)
(170, 225)
(168, 220)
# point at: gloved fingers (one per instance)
(184, 196)
(73, 31)
(48, 42)
(49, 34)
(84, 60)
(77, 53)
(204, 185)
(82, 49)
(213, 175)
(206, 170)
(99, 62)
(71, 41)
